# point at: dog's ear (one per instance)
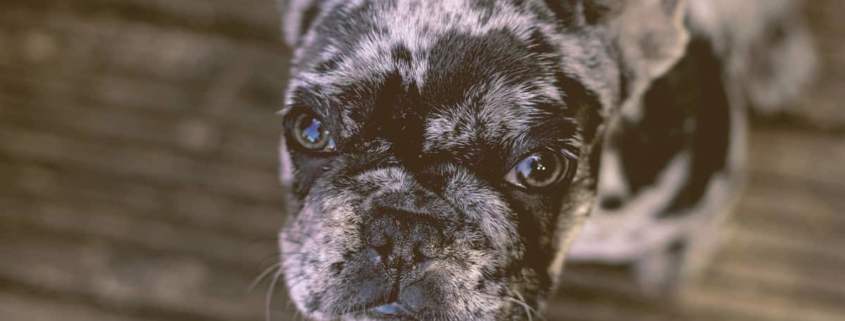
(646, 37)
(585, 12)
(650, 35)
(297, 17)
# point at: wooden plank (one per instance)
(137, 163)
(255, 20)
(182, 205)
(111, 224)
(19, 307)
(71, 110)
(740, 297)
(126, 279)
(772, 195)
(63, 45)
(798, 156)
(823, 106)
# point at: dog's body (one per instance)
(673, 167)
(443, 155)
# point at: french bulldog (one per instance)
(442, 157)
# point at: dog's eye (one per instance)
(309, 132)
(540, 169)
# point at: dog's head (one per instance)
(442, 154)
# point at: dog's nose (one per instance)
(398, 238)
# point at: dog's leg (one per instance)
(658, 272)
(667, 271)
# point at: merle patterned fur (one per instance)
(431, 102)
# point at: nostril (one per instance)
(380, 253)
(384, 249)
(425, 251)
(377, 240)
(611, 202)
(398, 239)
(419, 256)
(379, 246)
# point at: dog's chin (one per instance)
(440, 295)
(396, 312)
(388, 312)
(334, 304)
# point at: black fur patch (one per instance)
(397, 116)
(685, 111)
(402, 55)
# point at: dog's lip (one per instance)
(391, 311)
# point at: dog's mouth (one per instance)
(391, 249)
(391, 311)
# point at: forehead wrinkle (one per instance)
(502, 122)
(405, 18)
(418, 30)
(371, 56)
(367, 65)
(346, 92)
(503, 113)
(416, 25)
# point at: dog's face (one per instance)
(440, 155)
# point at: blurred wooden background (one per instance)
(137, 175)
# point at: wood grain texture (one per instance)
(137, 162)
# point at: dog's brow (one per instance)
(308, 98)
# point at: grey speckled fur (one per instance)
(432, 101)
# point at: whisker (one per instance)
(268, 301)
(274, 238)
(276, 255)
(528, 309)
(268, 257)
(524, 306)
(291, 231)
(290, 240)
(265, 273)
